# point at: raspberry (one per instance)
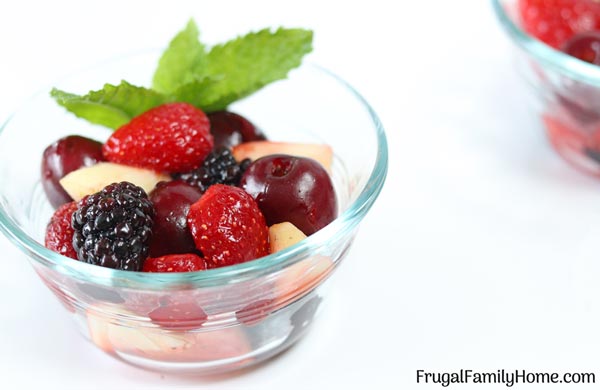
(228, 227)
(555, 21)
(59, 233)
(219, 167)
(173, 137)
(175, 263)
(113, 227)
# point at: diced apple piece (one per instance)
(302, 277)
(98, 328)
(283, 235)
(156, 343)
(89, 180)
(227, 343)
(257, 149)
(128, 336)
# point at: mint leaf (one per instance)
(197, 93)
(112, 106)
(248, 63)
(181, 62)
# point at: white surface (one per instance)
(481, 253)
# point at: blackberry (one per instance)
(219, 167)
(113, 227)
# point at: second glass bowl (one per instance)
(567, 92)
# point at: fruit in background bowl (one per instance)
(571, 106)
(584, 46)
(555, 21)
(63, 157)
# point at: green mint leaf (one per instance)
(181, 62)
(111, 106)
(248, 63)
(198, 93)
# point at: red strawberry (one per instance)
(175, 263)
(59, 233)
(555, 21)
(173, 137)
(173, 314)
(228, 226)
(255, 312)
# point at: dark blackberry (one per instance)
(113, 227)
(219, 167)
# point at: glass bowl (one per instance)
(211, 321)
(567, 92)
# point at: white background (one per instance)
(482, 251)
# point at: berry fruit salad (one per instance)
(187, 218)
(182, 184)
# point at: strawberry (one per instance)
(555, 21)
(563, 137)
(59, 233)
(173, 137)
(255, 312)
(188, 262)
(228, 226)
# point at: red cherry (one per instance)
(230, 129)
(170, 233)
(292, 189)
(585, 46)
(62, 157)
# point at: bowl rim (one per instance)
(547, 55)
(337, 229)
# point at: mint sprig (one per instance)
(187, 72)
(182, 62)
(112, 106)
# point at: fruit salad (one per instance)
(183, 184)
(572, 112)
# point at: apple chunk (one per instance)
(257, 149)
(283, 235)
(89, 180)
(300, 278)
(303, 276)
(136, 338)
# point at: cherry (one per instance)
(291, 189)
(62, 157)
(170, 233)
(230, 129)
(178, 315)
(585, 46)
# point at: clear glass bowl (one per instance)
(567, 92)
(228, 318)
